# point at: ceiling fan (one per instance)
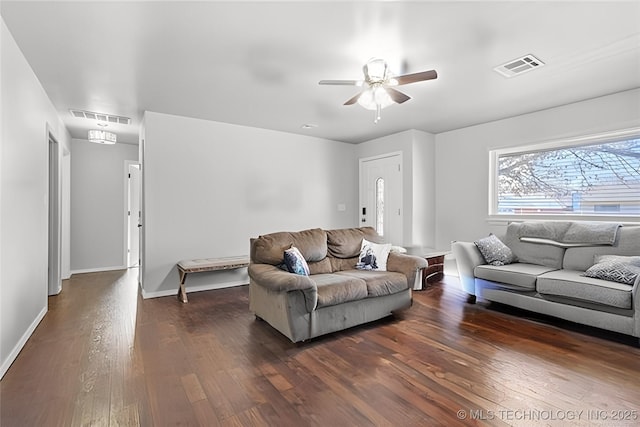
(379, 92)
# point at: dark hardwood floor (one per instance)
(102, 356)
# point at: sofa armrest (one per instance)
(468, 257)
(276, 280)
(409, 265)
(635, 294)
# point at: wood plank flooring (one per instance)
(102, 356)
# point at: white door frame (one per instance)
(130, 216)
(65, 214)
(361, 195)
(141, 231)
(54, 278)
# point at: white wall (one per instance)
(98, 201)
(424, 190)
(208, 187)
(418, 150)
(462, 168)
(27, 113)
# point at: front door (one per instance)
(381, 195)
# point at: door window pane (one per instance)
(380, 206)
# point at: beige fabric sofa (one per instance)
(335, 295)
(548, 277)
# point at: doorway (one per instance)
(381, 195)
(54, 281)
(133, 215)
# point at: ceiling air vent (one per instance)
(519, 66)
(101, 117)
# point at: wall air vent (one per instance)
(109, 118)
(519, 66)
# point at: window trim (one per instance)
(494, 155)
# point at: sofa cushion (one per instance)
(335, 289)
(373, 256)
(494, 251)
(616, 268)
(320, 267)
(379, 283)
(532, 253)
(552, 230)
(626, 243)
(572, 284)
(339, 264)
(570, 233)
(269, 248)
(346, 243)
(518, 275)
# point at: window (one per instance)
(598, 175)
(380, 206)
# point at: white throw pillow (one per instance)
(373, 256)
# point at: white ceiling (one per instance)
(258, 63)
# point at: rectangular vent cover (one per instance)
(519, 66)
(101, 117)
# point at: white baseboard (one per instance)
(97, 270)
(6, 364)
(189, 289)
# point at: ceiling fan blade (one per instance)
(416, 77)
(397, 96)
(341, 82)
(353, 100)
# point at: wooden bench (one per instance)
(207, 264)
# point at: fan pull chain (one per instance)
(378, 113)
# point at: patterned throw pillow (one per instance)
(494, 251)
(295, 262)
(373, 256)
(615, 268)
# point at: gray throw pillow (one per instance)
(615, 268)
(494, 251)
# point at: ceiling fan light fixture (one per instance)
(375, 70)
(380, 94)
(102, 137)
(375, 97)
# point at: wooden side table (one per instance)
(435, 259)
(208, 264)
(435, 270)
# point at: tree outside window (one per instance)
(595, 179)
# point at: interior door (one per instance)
(381, 195)
(133, 247)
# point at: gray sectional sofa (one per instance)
(548, 272)
(335, 295)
